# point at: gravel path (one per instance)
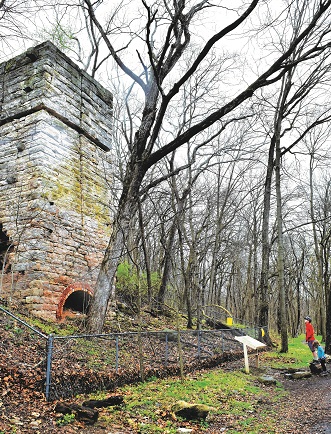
(308, 408)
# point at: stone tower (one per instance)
(55, 130)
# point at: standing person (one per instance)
(310, 338)
(321, 355)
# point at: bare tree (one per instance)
(15, 18)
(296, 86)
(161, 36)
(159, 92)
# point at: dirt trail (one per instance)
(307, 409)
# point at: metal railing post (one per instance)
(50, 342)
(166, 350)
(199, 344)
(117, 348)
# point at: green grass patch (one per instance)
(43, 326)
(233, 397)
(298, 355)
(148, 405)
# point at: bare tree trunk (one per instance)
(145, 149)
(189, 283)
(280, 255)
(179, 211)
(98, 309)
(318, 249)
(263, 314)
(279, 116)
(121, 230)
(146, 257)
(168, 256)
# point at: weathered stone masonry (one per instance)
(55, 129)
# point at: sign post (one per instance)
(247, 341)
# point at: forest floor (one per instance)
(305, 408)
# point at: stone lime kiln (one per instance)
(55, 130)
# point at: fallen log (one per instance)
(99, 403)
(83, 414)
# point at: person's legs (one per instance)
(313, 350)
(322, 361)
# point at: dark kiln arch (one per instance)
(5, 249)
(75, 297)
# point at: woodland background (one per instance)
(221, 150)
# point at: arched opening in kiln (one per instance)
(5, 249)
(75, 300)
(78, 302)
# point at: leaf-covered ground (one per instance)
(306, 408)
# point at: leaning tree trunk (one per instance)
(121, 229)
(105, 282)
(146, 256)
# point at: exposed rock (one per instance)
(267, 379)
(300, 374)
(190, 411)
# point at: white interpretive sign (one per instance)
(250, 342)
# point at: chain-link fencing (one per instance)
(64, 366)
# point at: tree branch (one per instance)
(110, 47)
(282, 63)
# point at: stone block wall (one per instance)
(55, 178)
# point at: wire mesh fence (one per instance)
(64, 366)
(23, 354)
